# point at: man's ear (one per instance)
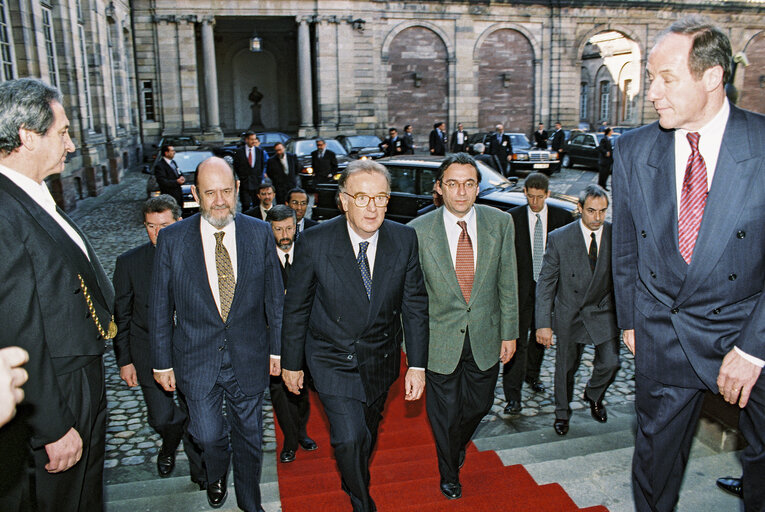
(195, 194)
(713, 78)
(28, 138)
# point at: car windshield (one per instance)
(180, 141)
(363, 141)
(189, 160)
(491, 179)
(519, 141)
(306, 147)
(270, 138)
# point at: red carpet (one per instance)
(404, 471)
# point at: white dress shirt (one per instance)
(453, 232)
(586, 234)
(208, 248)
(532, 215)
(371, 248)
(281, 254)
(41, 195)
(173, 166)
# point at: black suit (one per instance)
(43, 309)
(307, 223)
(409, 138)
(501, 147)
(132, 288)
(283, 181)
(249, 176)
(540, 139)
(323, 167)
(559, 138)
(527, 361)
(605, 160)
(351, 344)
(437, 141)
(256, 212)
(457, 148)
(395, 147)
(167, 178)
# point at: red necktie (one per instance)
(693, 198)
(464, 266)
(252, 163)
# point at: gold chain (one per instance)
(112, 326)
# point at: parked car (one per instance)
(303, 149)
(412, 179)
(582, 149)
(362, 146)
(269, 139)
(525, 158)
(187, 163)
(622, 129)
(179, 142)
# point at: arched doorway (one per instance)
(753, 88)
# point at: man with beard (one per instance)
(215, 315)
(291, 410)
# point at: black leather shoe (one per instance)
(561, 426)
(731, 485)
(536, 385)
(287, 456)
(597, 409)
(308, 444)
(461, 459)
(165, 462)
(217, 493)
(513, 407)
(451, 491)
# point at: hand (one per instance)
(166, 379)
(181, 180)
(414, 384)
(545, 337)
(628, 336)
(737, 378)
(275, 368)
(127, 373)
(293, 380)
(507, 351)
(11, 379)
(64, 453)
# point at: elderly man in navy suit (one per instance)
(689, 264)
(215, 317)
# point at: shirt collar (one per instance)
(39, 192)
(208, 230)
(587, 231)
(542, 213)
(356, 239)
(451, 219)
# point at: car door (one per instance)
(403, 204)
(575, 148)
(590, 151)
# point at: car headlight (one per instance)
(308, 170)
(364, 158)
(336, 176)
(554, 155)
(520, 156)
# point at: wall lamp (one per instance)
(417, 79)
(356, 23)
(256, 43)
(505, 79)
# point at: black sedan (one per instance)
(412, 179)
(362, 146)
(525, 158)
(303, 149)
(582, 149)
(187, 163)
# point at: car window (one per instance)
(578, 139)
(426, 180)
(333, 145)
(189, 160)
(519, 141)
(591, 141)
(402, 179)
(362, 141)
(491, 178)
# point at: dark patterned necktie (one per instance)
(226, 280)
(593, 254)
(363, 263)
(464, 263)
(693, 198)
(539, 247)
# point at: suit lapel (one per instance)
(195, 259)
(604, 257)
(487, 237)
(385, 258)
(344, 262)
(438, 248)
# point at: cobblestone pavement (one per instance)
(112, 223)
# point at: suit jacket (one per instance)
(605, 153)
(456, 148)
(410, 142)
(43, 309)
(492, 313)
(283, 182)
(308, 223)
(556, 218)
(166, 178)
(559, 138)
(323, 168)
(399, 147)
(540, 139)
(249, 176)
(437, 143)
(687, 317)
(352, 344)
(256, 213)
(498, 148)
(581, 300)
(191, 343)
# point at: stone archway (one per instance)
(753, 87)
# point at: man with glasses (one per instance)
(297, 199)
(467, 253)
(356, 281)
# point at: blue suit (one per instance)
(687, 317)
(212, 358)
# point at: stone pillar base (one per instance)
(307, 131)
(212, 135)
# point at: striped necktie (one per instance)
(539, 247)
(464, 266)
(693, 198)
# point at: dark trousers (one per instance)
(210, 429)
(666, 422)
(604, 171)
(567, 360)
(526, 363)
(248, 198)
(291, 412)
(353, 434)
(456, 403)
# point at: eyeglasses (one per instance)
(299, 203)
(362, 200)
(452, 185)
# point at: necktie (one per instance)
(539, 248)
(464, 266)
(226, 281)
(175, 168)
(286, 269)
(250, 157)
(693, 198)
(363, 263)
(593, 254)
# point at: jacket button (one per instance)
(674, 311)
(462, 331)
(386, 356)
(642, 233)
(716, 311)
(741, 234)
(468, 310)
(338, 319)
(732, 277)
(385, 334)
(350, 357)
(653, 274)
(220, 349)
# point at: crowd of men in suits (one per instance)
(218, 307)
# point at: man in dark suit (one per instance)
(500, 145)
(394, 145)
(689, 229)
(467, 254)
(540, 137)
(356, 281)
(169, 176)
(437, 139)
(266, 195)
(283, 172)
(291, 410)
(214, 320)
(55, 302)
(533, 221)
(249, 166)
(605, 158)
(480, 156)
(575, 284)
(459, 141)
(297, 199)
(324, 163)
(132, 288)
(409, 137)
(559, 138)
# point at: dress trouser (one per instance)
(209, 428)
(456, 403)
(291, 412)
(527, 360)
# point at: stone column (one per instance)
(305, 81)
(211, 76)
